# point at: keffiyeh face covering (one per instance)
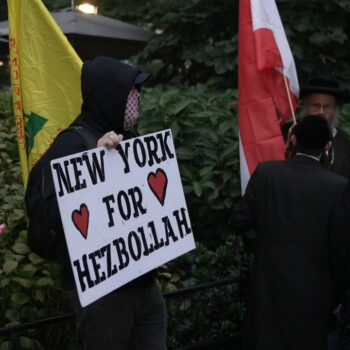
(132, 109)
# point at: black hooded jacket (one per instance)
(105, 85)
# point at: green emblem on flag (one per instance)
(34, 124)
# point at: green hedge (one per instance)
(205, 134)
(29, 286)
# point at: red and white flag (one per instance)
(268, 84)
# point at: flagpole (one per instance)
(16, 84)
(289, 98)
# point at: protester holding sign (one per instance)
(133, 316)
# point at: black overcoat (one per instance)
(292, 292)
(341, 161)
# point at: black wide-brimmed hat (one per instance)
(325, 86)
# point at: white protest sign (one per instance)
(123, 212)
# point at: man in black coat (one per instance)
(324, 97)
(289, 204)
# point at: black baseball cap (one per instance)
(141, 78)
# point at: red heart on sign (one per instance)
(80, 219)
(158, 183)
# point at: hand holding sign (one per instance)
(110, 140)
(123, 212)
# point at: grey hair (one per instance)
(335, 121)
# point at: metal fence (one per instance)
(191, 305)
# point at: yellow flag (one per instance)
(45, 77)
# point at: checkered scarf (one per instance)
(132, 109)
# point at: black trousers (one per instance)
(131, 318)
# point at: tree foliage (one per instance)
(196, 40)
(319, 34)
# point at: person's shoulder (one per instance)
(337, 178)
(67, 137)
(343, 135)
(267, 169)
(67, 142)
(271, 164)
(329, 179)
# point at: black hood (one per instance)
(105, 86)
